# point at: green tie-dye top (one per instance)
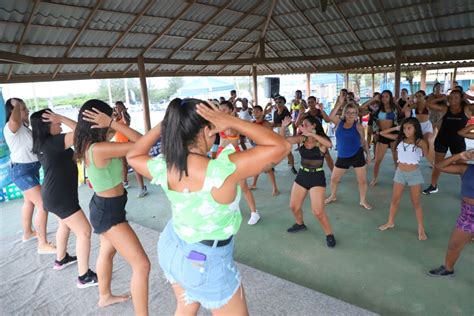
(196, 215)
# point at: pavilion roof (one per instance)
(81, 39)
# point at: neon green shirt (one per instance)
(196, 215)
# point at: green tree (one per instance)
(173, 85)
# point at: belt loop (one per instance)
(214, 245)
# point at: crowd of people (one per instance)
(208, 151)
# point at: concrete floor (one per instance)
(384, 272)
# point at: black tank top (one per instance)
(452, 123)
(311, 158)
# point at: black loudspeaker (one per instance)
(272, 87)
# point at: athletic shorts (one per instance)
(455, 145)
(408, 178)
(356, 161)
(384, 140)
(465, 220)
(107, 212)
(25, 175)
(207, 274)
(426, 127)
(311, 179)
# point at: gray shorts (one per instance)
(409, 178)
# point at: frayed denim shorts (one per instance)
(25, 175)
(211, 282)
(408, 178)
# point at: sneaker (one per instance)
(430, 189)
(125, 185)
(87, 280)
(296, 228)
(143, 192)
(330, 241)
(66, 261)
(294, 170)
(254, 218)
(441, 271)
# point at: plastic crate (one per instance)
(13, 192)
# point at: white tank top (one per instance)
(409, 153)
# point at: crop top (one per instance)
(311, 158)
(386, 116)
(196, 215)
(467, 182)
(409, 153)
(105, 178)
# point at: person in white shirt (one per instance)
(245, 114)
(24, 172)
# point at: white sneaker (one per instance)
(125, 184)
(254, 218)
(143, 192)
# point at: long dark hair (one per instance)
(9, 108)
(393, 106)
(418, 132)
(84, 135)
(41, 130)
(180, 127)
(319, 127)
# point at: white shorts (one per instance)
(426, 127)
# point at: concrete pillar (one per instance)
(144, 91)
(423, 78)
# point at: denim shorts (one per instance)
(211, 282)
(25, 175)
(409, 178)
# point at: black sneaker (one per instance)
(296, 228)
(430, 189)
(441, 271)
(66, 261)
(87, 280)
(330, 241)
(294, 170)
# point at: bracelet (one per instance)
(111, 120)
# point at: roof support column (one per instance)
(346, 80)
(454, 76)
(308, 85)
(373, 81)
(397, 74)
(423, 78)
(144, 91)
(254, 84)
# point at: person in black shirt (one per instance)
(59, 191)
(278, 115)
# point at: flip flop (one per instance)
(33, 237)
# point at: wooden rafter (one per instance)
(166, 30)
(127, 30)
(351, 29)
(78, 35)
(228, 29)
(387, 21)
(263, 34)
(23, 34)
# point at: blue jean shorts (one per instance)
(211, 282)
(409, 178)
(25, 175)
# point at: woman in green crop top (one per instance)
(196, 247)
(94, 130)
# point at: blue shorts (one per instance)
(212, 282)
(25, 175)
(408, 178)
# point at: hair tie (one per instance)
(183, 103)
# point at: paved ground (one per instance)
(384, 272)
